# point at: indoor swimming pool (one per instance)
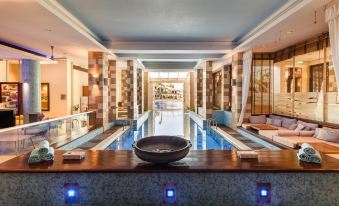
(172, 122)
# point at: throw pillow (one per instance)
(268, 121)
(327, 134)
(287, 122)
(276, 122)
(299, 127)
(308, 125)
(259, 119)
(293, 127)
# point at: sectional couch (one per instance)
(292, 132)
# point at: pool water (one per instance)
(172, 122)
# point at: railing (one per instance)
(58, 131)
(211, 123)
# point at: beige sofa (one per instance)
(285, 124)
(296, 141)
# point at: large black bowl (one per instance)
(161, 149)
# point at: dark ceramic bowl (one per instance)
(161, 149)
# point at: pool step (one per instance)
(248, 142)
(97, 140)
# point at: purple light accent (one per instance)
(23, 48)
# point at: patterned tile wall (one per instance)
(237, 72)
(195, 90)
(146, 85)
(208, 89)
(217, 89)
(192, 90)
(140, 90)
(132, 106)
(318, 188)
(123, 88)
(199, 87)
(226, 79)
(112, 90)
(97, 90)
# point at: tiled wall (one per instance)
(237, 72)
(318, 188)
(132, 106)
(140, 90)
(192, 91)
(208, 89)
(217, 89)
(226, 79)
(123, 87)
(146, 85)
(112, 90)
(199, 87)
(97, 90)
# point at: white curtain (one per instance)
(246, 80)
(332, 18)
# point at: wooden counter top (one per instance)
(196, 161)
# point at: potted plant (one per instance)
(76, 108)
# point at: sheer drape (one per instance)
(246, 80)
(332, 18)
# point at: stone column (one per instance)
(186, 93)
(199, 86)
(195, 89)
(192, 91)
(140, 95)
(31, 88)
(145, 93)
(131, 80)
(207, 100)
(150, 94)
(142, 91)
(225, 87)
(237, 73)
(98, 87)
(112, 90)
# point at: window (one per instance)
(261, 83)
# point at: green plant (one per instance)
(76, 107)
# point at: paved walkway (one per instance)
(99, 138)
(250, 143)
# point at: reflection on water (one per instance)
(167, 122)
(172, 122)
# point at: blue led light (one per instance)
(263, 192)
(170, 193)
(71, 193)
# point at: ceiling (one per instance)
(170, 30)
(300, 26)
(171, 20)
(162, 34)
(41, 30)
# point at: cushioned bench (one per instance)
(296, 141)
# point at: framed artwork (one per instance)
(45, 96)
